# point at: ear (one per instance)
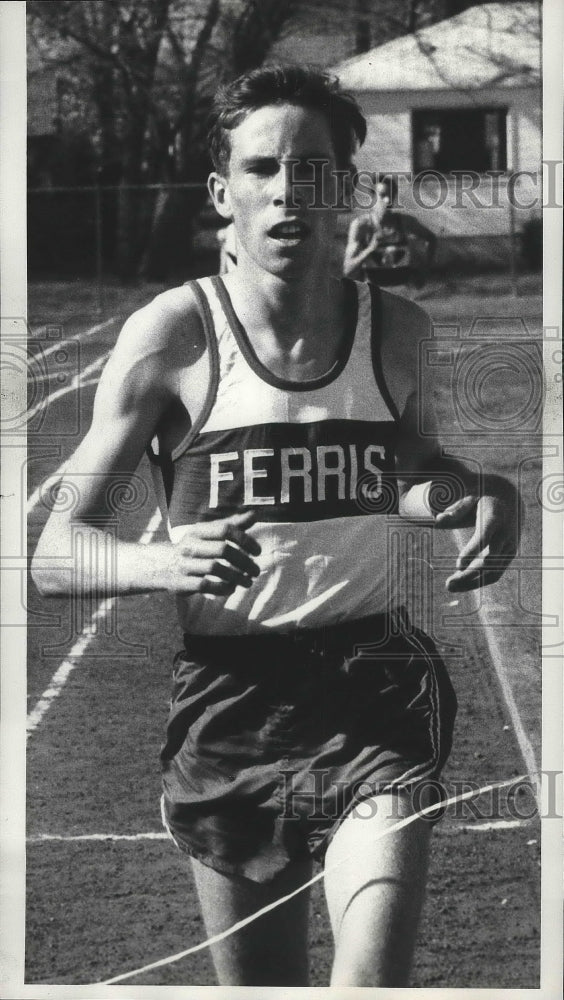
(218, 188)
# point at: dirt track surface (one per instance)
(97, 908)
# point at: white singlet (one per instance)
(314, 459)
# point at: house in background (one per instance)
(461, 95)
(326, 32)
(322, 35)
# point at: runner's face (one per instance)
(279, 236)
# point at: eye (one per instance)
(262, 168)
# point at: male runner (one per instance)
(284, 403)
(387, 246)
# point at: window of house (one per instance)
(460, 139)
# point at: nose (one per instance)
(286, 191)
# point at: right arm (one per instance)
(362, 241)
(136, 387)
(434, 487)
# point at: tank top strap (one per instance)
(209, 325)
(363, 334)
(366, 353)
(226, 343)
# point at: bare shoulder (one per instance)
(164, 333)
(158, 345)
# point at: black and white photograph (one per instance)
(282, 498)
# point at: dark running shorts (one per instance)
(272, 740)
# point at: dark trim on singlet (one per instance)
(302, 385)
(165, 461)
(376, 350)
(213, 354)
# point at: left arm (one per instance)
(443, 489)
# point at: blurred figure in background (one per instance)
(387, 246)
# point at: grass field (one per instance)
(105, 892)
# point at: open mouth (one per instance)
(289, 231)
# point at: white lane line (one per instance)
(65, 669)
(61, 344)
(498, 661)
(76, 383)
(89, 633)
(44, 838)
(498, 824)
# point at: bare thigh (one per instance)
(271, 951)
(375, 887)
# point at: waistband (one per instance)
(319, 642)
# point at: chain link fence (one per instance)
(168, 232)
(151, 230)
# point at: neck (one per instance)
(287, 303)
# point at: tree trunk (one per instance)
(130, 207)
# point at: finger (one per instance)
(499, 554)
(485, 533)
(460, 507)
(194, 547)
(244, 518)
(245, 541)
(224, 571)
(471, 550)
(239, 558)
(204, 548)
(485, 567)
(232, 529)
(485, 536)
(459, 514)
(214, 528)
(460, 582)
(472, 563)
(201, 568)
(206, 585)
(220, 588)
(486, 560)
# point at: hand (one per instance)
(362, 241)
(484, 559)
(214, 557)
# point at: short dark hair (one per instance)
(302, 85)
